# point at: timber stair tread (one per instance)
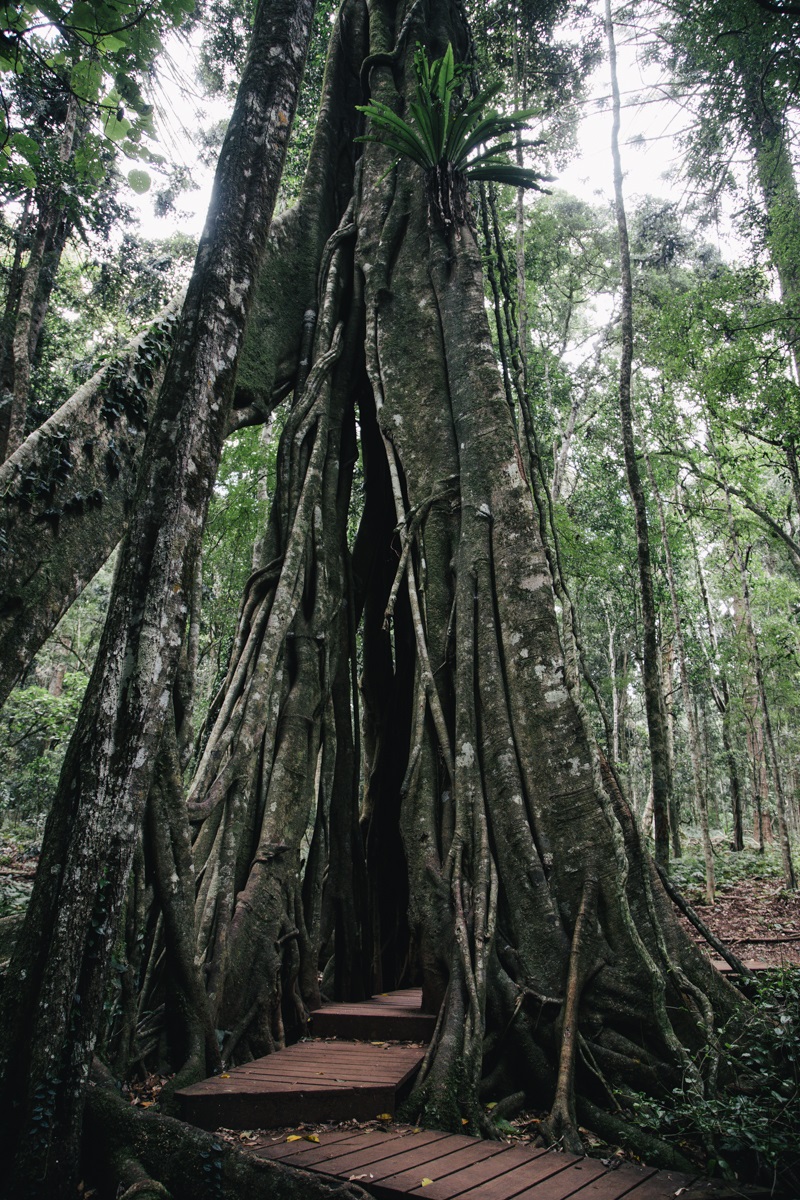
(315, 1081)
(753, 964)
(320, 1080)
(310, 1081)
(392, 1016)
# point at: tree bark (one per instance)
(67, 494)
(789, 876)
(504, 871)
(52, 1002)
(691, 723)
(36, 285)
(652, 683)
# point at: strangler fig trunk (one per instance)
(535, 918)
(397, 782)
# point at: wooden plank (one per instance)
(754, 964)
(466, 1178)
(391, 1164)
(315, 1062)
(502, 1187)
(285, 1149)
(342, 1160)
(424, 1147)
(322, 1069)
(456, 1160)
(616, 1183)
(660, 1186)
(566, 1183)
(394, 1016)
(417, 1157)
(324, 1155)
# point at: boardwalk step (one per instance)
(390, 1164)
(394, 1016)
(754, 964)
(310, 1081)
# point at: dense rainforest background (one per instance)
(400, 586)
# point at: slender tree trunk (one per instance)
(667, 680)
(652, 683)
(722, 698)
(52, 1002)
(67, 494)
(35, 284)
(789, 876)
(701, 799)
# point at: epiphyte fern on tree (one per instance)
(450, 143)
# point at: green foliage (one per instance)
(236, 518)
(35, 726)
(750, 1127)
(97, 306)
(688, 872)
(98, 53)
(38, 718)
(450, 142)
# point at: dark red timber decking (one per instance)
(441, 1166)
(310, 1081)
(395, 1016)
(335, 1080)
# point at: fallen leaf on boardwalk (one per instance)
(224, 1076)
(310, 1137)
(377, 1043)
(350, 1178)
(294, 1137)
(384, 1117)
(426, 1181)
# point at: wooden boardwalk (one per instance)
(336, 1080)
(440, 1166)
(394, 1016)
(310, 1081)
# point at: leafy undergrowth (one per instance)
(750, 1129)
(19, 855)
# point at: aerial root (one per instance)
(561, 1124)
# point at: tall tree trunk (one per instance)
(37, 282)
(688, 705)
(53, 996)
(67, 494)
(667, 680)
(652, 683)
(720, 691)
(789, 877)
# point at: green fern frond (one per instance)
(451, 145)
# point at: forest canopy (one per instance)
(400, 585)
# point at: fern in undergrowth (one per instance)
(450, 142)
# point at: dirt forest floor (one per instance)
(756, 918)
